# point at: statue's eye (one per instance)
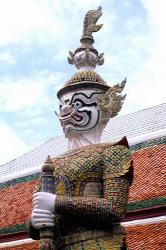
(78, 104)
(60, 106)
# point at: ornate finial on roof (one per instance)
(86, 57)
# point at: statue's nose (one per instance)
(66, 110)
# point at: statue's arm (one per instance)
(115, 191)
(112, 206)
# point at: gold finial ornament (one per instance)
(48, 165)
(86, 56)
(90, 25)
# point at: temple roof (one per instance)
(138, 127)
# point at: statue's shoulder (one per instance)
(121, 142)
(79, 154)
(117, 159)
(98, 148)
(119, 147)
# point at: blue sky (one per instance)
(35, 37)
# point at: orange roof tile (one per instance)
(28, 246)
(147, 237)
(149, 173)
(15, 205)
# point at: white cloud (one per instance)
(7, 58)
(41, 21)
(22, 94)
(26, 93)
(147, 85)
(144, 59)
(34, 121)
(11, 145)
(156, 64)
(20, 19)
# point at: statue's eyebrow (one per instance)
(83, 94)
(67, 101)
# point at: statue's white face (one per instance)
(79, 111)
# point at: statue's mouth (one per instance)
(73, 118)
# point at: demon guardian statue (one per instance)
(89, 183)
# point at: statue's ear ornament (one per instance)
(101, 59)
(70, 58)
(110, 102)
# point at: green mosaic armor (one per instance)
(92, 186)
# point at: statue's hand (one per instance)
(43, 210)
(45, 201)
(42, 218)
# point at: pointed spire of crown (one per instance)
(86, 57)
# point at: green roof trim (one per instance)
(146, 203)
(19, 180)
(147, 144)
(13, 229)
